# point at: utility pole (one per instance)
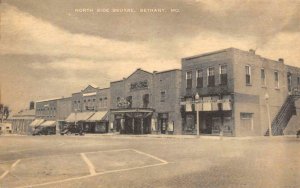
(197, 97)
(268, 113)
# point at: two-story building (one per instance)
(146, 103)
(90, 109)
(234, 92)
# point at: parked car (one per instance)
(44, 131)
(72, 129)
(298, 133)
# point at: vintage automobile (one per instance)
(298, 133)
(72, 129)
(40, 130)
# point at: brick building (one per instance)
(145, 103)
(233, 91)
(90, 109)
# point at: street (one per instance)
(129, 161)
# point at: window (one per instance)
(189, 81)
(223, 74)
(248, 75)
(129, 100)
(200, 78)
(162, 96)
(105, 102)
(298, 80)
(276, 79)
(263, 77)
(211, 77)
(145, 100)
(289, 80)
(94, 100)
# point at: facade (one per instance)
(20, 122)
(146, 103)
(90, 109)
(52, 112)
(232, 91)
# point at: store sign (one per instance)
(123, 103)
(139, 85)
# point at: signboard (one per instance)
(123, 103)
(139, 85)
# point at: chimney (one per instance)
(281, 60)
(252, 51)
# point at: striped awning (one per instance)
(36, 122)
(48, 124)
(99, 116)
(79, 116)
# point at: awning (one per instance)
(48, 124)
(129, 110)
(36, 122)
(79, 116)
(99, 116)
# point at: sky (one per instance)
(51, 48)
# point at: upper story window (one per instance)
(223, 74)
(189, 81)
(298, 80)
(289, 79)
(248, 75)
(200, 78)
(263, 77)
(162, 96)
(129, 100)
(145, 100)
(276, 79)
(211, 77)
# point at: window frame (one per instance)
(220, 74)
(163, 99)
(208, 76)
(276, 72)
(250, 75)
(191, 78)
(198, 77)
(263, 80)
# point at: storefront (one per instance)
(132, 121)
(214, 112)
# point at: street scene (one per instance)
(147, 93)
(127, 161)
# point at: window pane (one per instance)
(200, 73)
(211, 71)
(223, 69)
(200, 82)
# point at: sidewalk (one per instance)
(117, 135)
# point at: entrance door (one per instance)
(209, 124)
(163, 125)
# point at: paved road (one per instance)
(117, 161)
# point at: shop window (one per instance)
(162, 96)
(223, 74)
(189, 81)
(263, 77)
(276, 79)
(145, 100)
(200, 78)
(211, 77)
(248, 75)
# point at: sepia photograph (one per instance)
(149, 93)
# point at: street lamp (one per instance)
(268, 112)
(197, 97)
